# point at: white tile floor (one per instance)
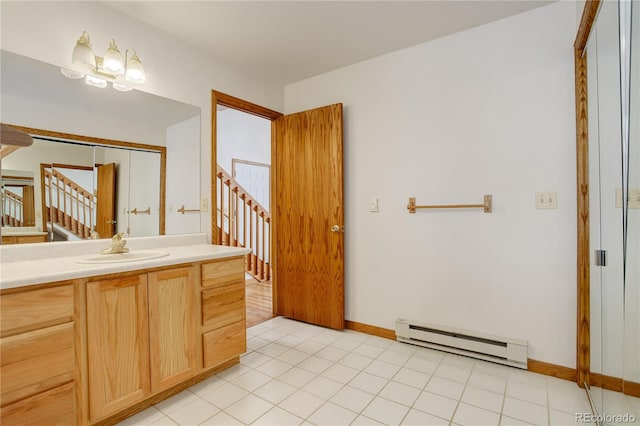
(295, 373)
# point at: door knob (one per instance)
(111, 222)
(335, 228)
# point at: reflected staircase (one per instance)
(243, 222)
(13, 208)
(68, 204)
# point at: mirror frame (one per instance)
(90, 140)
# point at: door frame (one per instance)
(222, 99)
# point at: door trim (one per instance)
(219, 98)
(583, 337)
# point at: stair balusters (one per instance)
(237, 211)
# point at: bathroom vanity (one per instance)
(86, 339)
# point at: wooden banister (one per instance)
(13, 209)
(74, 205)
(243, 222)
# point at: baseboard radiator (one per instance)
(501, 350)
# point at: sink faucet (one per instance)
(117, 245)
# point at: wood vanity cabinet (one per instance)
(37, 356)
(152, 332)
(141, 337)
(223, 311)
(98, 349)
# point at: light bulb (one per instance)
(83, 54)
(112, 61)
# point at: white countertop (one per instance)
(29, 264)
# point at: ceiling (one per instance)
(287, 41)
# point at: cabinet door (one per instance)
(172, 327)
(118, 341)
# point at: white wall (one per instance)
(47, 31)
(244, 136)
(485, 111)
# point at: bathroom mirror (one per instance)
(152, 142)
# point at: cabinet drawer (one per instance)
(224, 344)
(53, 407)
(36, 361)
(223, 272)
(223, 305)
(32, 309)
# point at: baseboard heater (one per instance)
(501, 350)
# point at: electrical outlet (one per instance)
(547, 200)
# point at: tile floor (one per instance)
(295, 373)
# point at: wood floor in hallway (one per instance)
(258, 302)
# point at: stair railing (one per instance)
(68, 204)
(243, 222)
(13, 209)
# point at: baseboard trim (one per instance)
(561, 372)
(554, 370)
(533, 365)
(631, 388)
(606, 382)
(370, 329)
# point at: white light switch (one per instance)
(373, 205)
(546, 200)
(633, 199)
(204, 204)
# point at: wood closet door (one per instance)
(308, 231)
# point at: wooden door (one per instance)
(118, 342)
(28, 206)
(172, 323)
(308, 214)
(106, 200)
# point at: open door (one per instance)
(308, 241)
(106, 200)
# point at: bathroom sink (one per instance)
(131, 256)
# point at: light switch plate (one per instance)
(633, 199)
(547, 200)
(373, 205)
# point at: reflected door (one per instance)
(106, 200)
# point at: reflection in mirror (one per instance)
(86, 189)
(151, 175)
(18, 202)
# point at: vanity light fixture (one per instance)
(97, 71)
